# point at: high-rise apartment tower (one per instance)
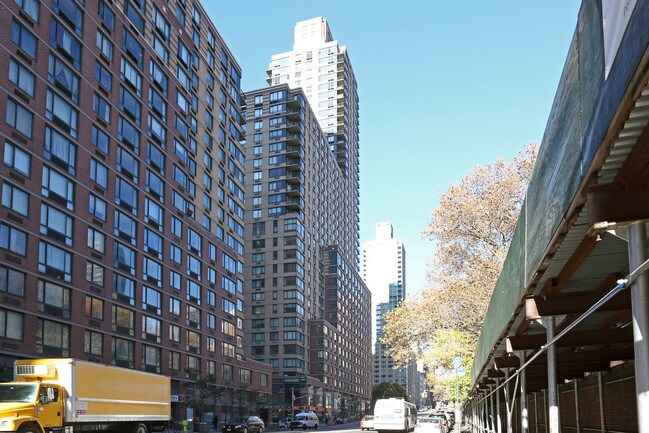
(322, 68)
(121, 225)
(308, 310)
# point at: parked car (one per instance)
(367, 422)
(244, 424)
(447, 419)
(441, 419)
(305, 420)
(283, 423)
(431, 425)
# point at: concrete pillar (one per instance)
(553, 394)
(640, 311)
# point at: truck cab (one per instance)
(30, 404)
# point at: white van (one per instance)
(304, 420)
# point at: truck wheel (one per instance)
(140, 428)
(29, 429)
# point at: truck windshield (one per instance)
(23, 393)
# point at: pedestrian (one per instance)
(196, 422)
(215, 422)
(326, 420)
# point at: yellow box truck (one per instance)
(69, 395)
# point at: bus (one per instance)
(394, 414)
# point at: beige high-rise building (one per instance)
(322, 68)
(308, 310)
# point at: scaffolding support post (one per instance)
(553, 398)
(523, 380)
(640, 312)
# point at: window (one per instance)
(174, 308)
(17, 159)
(65, 43)
(24, 39)
(63, 77)
(61, 113)
(94, 308)
(245, 375)
(133, 14)
(54, 261)
(127, 164)
(93, 343)
(105, 45)
(129, 134)
(103, 76)
(123, 352)
(153, 213)
(157, 103)
(52, 338)
(58, 187)
(151, 329)
(99, 173)
(151, 300)
(155, 157)
(15, 199)
(60, 150)
(19, 118)
(158, 77)
(107, 15)
(96, 240)
(97, 207)
(125, 258)
(95, 273)
(100, 139)
(160, 48)
(129, 104)
(126, 195)
(13, 240)
(125, 227)
(226, 371)
(152, 271)
(123, 289)
(101, 107)
(53, 299)
(21, 77)
(31, 8)
(11, 325)
(56, 224)
(176, 227)
(160, 24)
(152, 358)
(12, 281)
(228, 349)
(175, 253)
(153, 243)
(71, 13)
(131, 76)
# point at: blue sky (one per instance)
(443, 86)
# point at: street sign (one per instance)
(461, 371)
(295, 379)
(457, 361)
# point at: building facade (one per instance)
(307, 308)
(384, 265)
(121, 226)
(322, 68)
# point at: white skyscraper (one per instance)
(384, 263)
(321, 67)
(384, 272)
